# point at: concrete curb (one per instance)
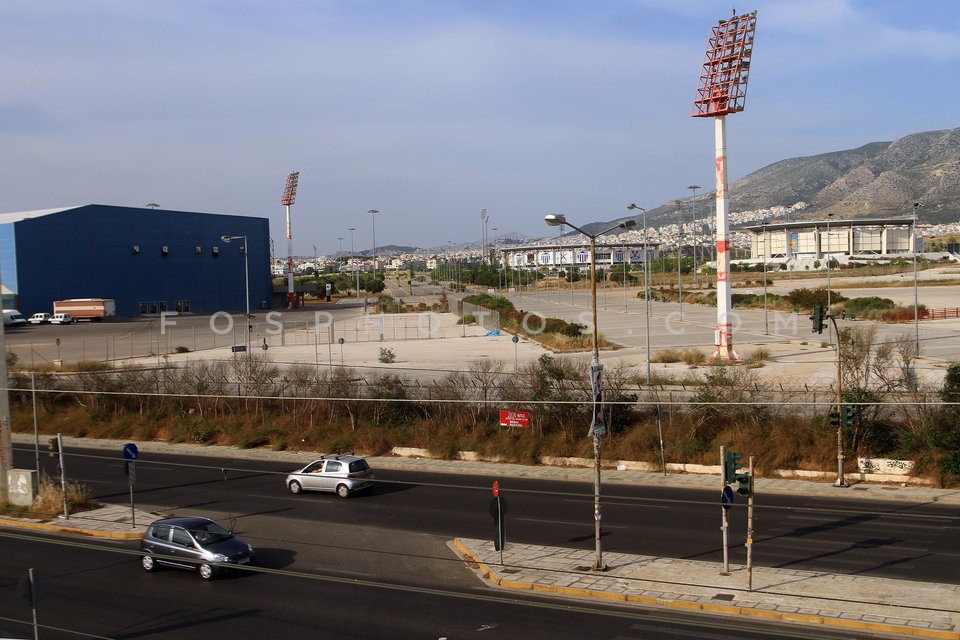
(43, 526)
(778, 616)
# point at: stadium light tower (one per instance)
(723, 90)
(289, 194)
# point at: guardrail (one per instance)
(925, 314)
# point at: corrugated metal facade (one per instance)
(148, 260)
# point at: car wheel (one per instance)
(295, 487)
(206, 571)
(147, 563)
(343, 490)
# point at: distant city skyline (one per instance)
(431, 111)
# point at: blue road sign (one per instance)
(130, 451)
(726, 497)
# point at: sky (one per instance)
(431, 111)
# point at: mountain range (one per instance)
(879, 179)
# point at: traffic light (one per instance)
(818, 318)
(848, 410)
(730, 466)
(53, 446)
(744, 484)
(835, 419)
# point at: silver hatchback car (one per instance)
(193, 542)
(343, 474)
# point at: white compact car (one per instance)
(61, 318)
(39, 318)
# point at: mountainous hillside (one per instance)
(880, 179)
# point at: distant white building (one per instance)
(798, 244)
(578, 255)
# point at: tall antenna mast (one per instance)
(723, 90)
(289, 194)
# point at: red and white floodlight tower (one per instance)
(723, 90)
(289, 193)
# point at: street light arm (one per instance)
(557, 219)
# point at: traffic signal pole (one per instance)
(841, 481)
(750, 532)
(723, 513)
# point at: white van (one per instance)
(61, 318)
(13, 318)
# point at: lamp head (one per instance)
(628, 224)
(633, 206)
(555, 219)
(373, 211)
(226, 238)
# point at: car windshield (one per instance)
(210, 533)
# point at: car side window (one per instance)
(315, 467)
(333, 466)
(182, 538)
(161, 532)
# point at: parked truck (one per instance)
(87, 308)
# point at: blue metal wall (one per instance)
(100, 251)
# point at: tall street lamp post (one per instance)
(916, 296)
(679, 257)
(646, 283)
(829, 326)
(693, 220)
(246, 286)
(495, 265)
(766, 324)
(597, 426)
(373, 219)
(483, 219)
(353, 257)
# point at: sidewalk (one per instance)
(841, 601)
(109, 521)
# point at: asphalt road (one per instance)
(883, 539)
(93, 590)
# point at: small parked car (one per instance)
(39, 318)
(343, 474)
(61, 318)
(194, 543)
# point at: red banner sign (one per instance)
(514, 418)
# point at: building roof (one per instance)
(6, 218)
(806, 224)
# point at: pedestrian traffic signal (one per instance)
(744, 484)
(730, 466)
(53, 446)
(818, 317)
(835, 419)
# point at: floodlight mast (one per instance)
(723, 90)
(289, 194)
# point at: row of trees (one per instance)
(340, 408)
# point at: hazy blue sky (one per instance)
(431, 110)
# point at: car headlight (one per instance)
(219, 557)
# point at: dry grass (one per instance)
(666, 356)
(49, 500)
(694, 357)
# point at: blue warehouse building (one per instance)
(148, 260)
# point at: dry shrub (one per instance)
(49, 500)
(694, 357)
(666, 356)
(758, 357)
